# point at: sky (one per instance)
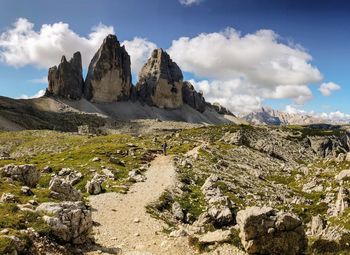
(245, 54)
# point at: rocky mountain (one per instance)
(160, 81)
(109, 74)
(269, 116)
(66, 80)
(192, 97)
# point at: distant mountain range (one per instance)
(269, 116)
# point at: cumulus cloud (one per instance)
(42, 80)
(265, 67)
(21, 45)
(40, 93)
(140, 50)
(327, 88)
(190, 2)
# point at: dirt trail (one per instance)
(117, 215)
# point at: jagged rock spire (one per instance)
(109, 74)
(66, 80)
(160, 81)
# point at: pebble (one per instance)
(136, 220)
(137, 234)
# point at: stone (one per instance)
(177, 211)
(63, 190)
(96, 159)
(94, 186)
(343, 176)
(66, 80)
(178, 233)
(342, 201)
(109, 74)
(160, 82)
(219, 206)
(108, 173)
(71, 222)
(47, 170)
(318, 224)
(8, 198)
(136, 176)
(218, 236)
(26, 191)
(116, 161)
(266, 231)
(26, 174)
(193, 98)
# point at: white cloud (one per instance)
(190, 2)
(42, 80)
(230, 94)
(140, 50)
(21, 45)
(327, 88)
(40, 93)
(265, 67)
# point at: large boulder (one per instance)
(219, 206)
(109, 74)
(70, 222)
(265, 231)
(63, 190)
(66, 80)
(26, 174)
(94, 186)
(160, 82)
(192, 97)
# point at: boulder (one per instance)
(219, 206)
(265, 231)
(63, 190)
(342, 201)
(26, 174)
(109, 75)
(70, 222)
(66, 80)
(160, 82)
(218, 236)
(343, 176)
(8, 198)
(94, 186)
(177, 211)
(136, 176)
(193, 98)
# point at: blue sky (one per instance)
(317, 28)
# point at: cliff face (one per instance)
(160, 81)
(109, 80)
(109, 74)
(192, 97)
(66, 79)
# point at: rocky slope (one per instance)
(237, 190)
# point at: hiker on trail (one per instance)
(164, 148)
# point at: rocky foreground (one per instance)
(237, 189)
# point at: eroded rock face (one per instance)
(71, 222)
(265, 231)
(66, 80)
(62, 189)
(192, 97)
(160, 82)
(26, 174)
(109, 75)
